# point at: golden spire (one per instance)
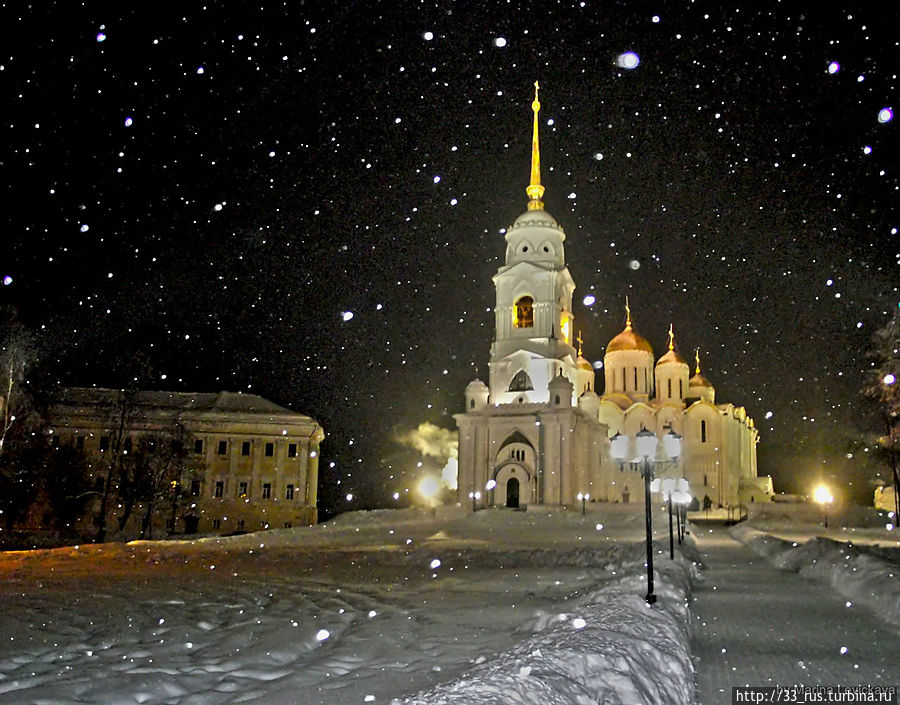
(627, 314)
(697, 357)
(580, 342)
(535, 191)
(671, 337)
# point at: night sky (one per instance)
(216, 187)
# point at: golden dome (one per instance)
(629, 339)
(671, 355)
(699, 380)
(583, 364)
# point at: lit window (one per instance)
(524, 313)
(242, 489)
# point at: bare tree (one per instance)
(883, 387)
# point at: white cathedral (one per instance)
(539, 434)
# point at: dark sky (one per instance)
(213, 186)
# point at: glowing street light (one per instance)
(428, 488)
(822, 496)
(475, 497)
(583, 497)
(646, 442)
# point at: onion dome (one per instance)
(671, 355)
(629, 339)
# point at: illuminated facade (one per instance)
(248, 463)
(538, 433)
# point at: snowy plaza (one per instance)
(403, 606)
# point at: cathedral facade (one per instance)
(538, 432)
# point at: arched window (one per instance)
(524, 313)
(521, 382)
(680, 389)
(556, 401)
(670, 388)
(703, 431)
(471, 403)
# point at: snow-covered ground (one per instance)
(390, 606)
(858, 555)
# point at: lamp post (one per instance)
(584, 497)
(822, 496)
(646, 443)
(475, 497)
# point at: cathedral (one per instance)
(538, 433)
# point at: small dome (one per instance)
(629, 339)
(539, 219)
(583, 364)
(671, 356)
(476, 385)
(699, 380)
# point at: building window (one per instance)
(240, 525)
(198, 446)
(195, 488)
(220, 489)
(217, 523)
(267, 490)
(245, 448)
(222, 448)
(79, 442)
(670, 387)
(289, 492)
(242, 489)
(287, 525)
(680, 389)
(292, 450)
(270, 450)
(704, 480)
(635, 379)
(521, 382)
(104, 443)
(524, 313)
(703, 431)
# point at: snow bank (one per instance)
(853, 571)
(612, 649)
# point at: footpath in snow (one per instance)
(757, 625)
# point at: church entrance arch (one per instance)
(512, 493)
(515, 486)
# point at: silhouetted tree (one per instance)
(883, 387)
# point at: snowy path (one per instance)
(757, 625)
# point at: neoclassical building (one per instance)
(538, 432)
(247, 463)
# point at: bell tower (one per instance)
(533, 326)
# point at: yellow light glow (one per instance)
(822, 495)
(429, 486)
(565, 327)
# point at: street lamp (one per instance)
(646, 442)
(475, 497)
(584, 497)
(822, 496)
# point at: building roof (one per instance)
(178, 402)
